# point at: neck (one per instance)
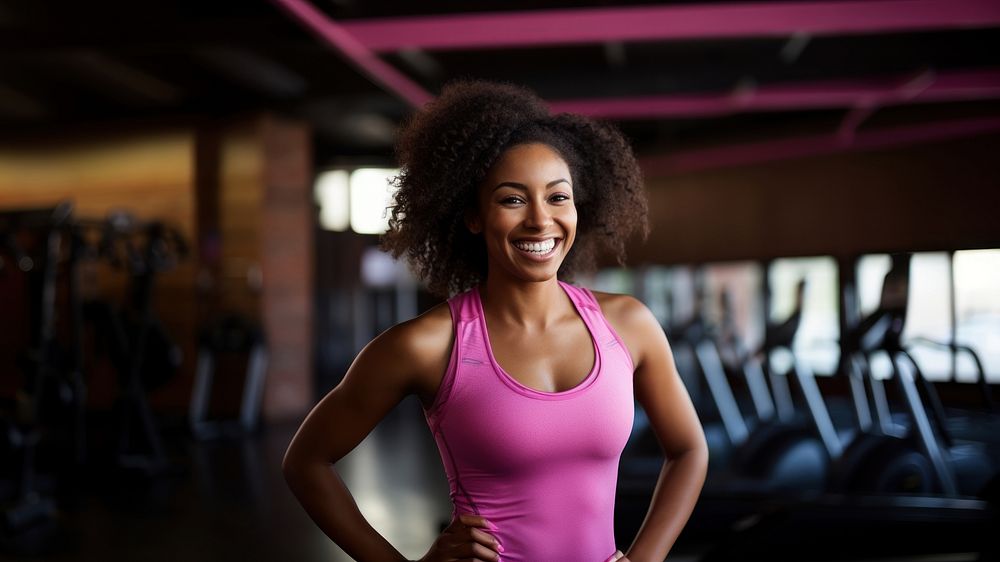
(534, 305)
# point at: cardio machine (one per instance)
(784, 452)
(911, 453)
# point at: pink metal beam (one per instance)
(927, 87)
(816, 145)
(664, 23)
(356, 51)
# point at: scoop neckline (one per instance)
(528, 391)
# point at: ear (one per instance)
(472, 222)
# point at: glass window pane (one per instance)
(683, 298)
(656, 292)
(613, 280)
(816, 341)
(741, 283)
(871, 272)
(928, 312)
(977, 309)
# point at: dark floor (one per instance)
(227, 501)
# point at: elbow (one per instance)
(698, 452)
(701, 453)
(701, 447)
(301, 470)
(694, 453)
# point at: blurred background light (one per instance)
(370, 197)
(333, 198)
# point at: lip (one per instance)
(539, 257)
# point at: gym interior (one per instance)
(191, 195)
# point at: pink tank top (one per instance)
(541, 466)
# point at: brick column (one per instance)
(287, 238)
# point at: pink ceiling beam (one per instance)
(816, 145)
(926, 87)
(664, 23)
(356, 51)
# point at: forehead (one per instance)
(527, 163)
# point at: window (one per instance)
(669, 293)
(928, 313)
(612, 280)
(816, 341)
(970, 277)
(977, 310)
(871, 270)
(740, 283)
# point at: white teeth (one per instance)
(537, 247)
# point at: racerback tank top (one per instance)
(541, 466)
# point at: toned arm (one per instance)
(661, 393)
(408, 358)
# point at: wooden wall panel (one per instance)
(927, 197)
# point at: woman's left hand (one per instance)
(618, 556)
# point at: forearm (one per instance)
(331, 506)
(674, 498)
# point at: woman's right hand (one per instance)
(466, 539)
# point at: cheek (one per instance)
(500, 223)
(571, 219)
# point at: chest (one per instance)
(553, 360)
(495, 427)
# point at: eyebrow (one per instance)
(524, 187)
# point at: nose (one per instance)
(539, 216)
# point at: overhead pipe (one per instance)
(670, 23)
(357, 53)
(961, 85)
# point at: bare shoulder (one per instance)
(625, 311)
(423, 344)
(428, 332)
(633, 321)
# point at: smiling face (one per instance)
(526, 213)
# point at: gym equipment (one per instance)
(643, 457)
(235, 337)
(141, 350)
(782, 453)
(894, 483)
(916, 457)
(769, 451)
(769, 458)
(47, 413)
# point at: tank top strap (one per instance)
(470, 341)
(463, 307)
(468, 351)
(581, 297)
(589, 308)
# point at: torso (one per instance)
(531, 420)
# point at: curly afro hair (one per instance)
(446, 151)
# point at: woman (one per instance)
(527, 382)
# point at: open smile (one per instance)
(538, 250)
